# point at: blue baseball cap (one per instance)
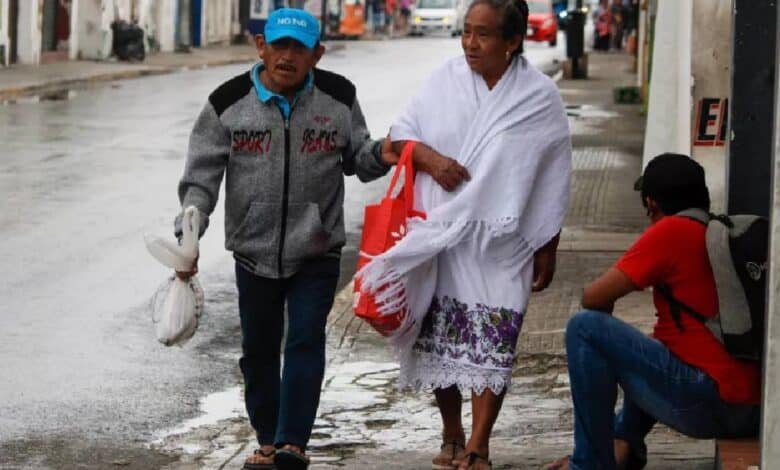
(293, 23)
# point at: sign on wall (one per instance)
(711, 122)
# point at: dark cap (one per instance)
(672, 178)
(670, 170)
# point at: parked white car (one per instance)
(438, 15)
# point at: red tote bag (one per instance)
(384, 224)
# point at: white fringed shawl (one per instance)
(514, 141)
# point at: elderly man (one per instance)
(283, 134)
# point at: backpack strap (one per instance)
(699, 215)
(675, 307)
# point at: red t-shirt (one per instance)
(673, 252)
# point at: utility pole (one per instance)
(753, 175)
(324, 20)
(575, 42)
(752, 107)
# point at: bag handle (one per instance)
(405, 163)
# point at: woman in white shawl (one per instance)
(495, 156)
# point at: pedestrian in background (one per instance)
(602, 19)
(283, 135)
(377, 9)
(390, 15)
(494, 142)
(404, 12)
(618, 13)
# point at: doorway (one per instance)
(55, 32)
(13, 31)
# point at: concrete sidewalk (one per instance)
(53, 78)
(364, 423)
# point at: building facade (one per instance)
(41, 31)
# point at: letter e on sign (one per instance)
(710, 124)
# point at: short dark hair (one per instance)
(675, 182)
(513, 17)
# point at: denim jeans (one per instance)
(282, 409)
(604, 352)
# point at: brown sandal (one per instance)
(450, 452)
(261, 460)
(474, 461)
(291, 457)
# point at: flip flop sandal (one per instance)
(286, 459)
(261, 466)
(446, 458)
(473, 458)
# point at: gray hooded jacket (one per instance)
(284, 184)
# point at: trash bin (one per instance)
(128, 41)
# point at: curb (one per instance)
(144, 71)
(61, 85)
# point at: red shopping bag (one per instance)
(384, 224)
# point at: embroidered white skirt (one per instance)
(469, 343)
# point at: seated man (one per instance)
(681, 376)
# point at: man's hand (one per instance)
(389, 157)
(186, 275)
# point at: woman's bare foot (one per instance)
(449, 455)
(474, 461)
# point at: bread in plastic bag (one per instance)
(176, 309)
(177, 304)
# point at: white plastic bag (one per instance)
(176, 309)
(177, 304)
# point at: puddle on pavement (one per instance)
(361, 409)
(58, 95)
(214, 408)
(588, 111)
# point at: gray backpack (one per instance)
(737, 247)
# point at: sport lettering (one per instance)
(252, 141)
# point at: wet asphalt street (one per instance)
(82, 180)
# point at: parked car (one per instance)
(542, 22)
(438, 15)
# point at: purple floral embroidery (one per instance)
(483, 335)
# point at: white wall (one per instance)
(73, 40)
(93, 35)
(4, 34)
(157, 18)
(217, 24)
(29, 31)
(668, 120)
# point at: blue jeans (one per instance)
(604, 352)
(282, 409)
